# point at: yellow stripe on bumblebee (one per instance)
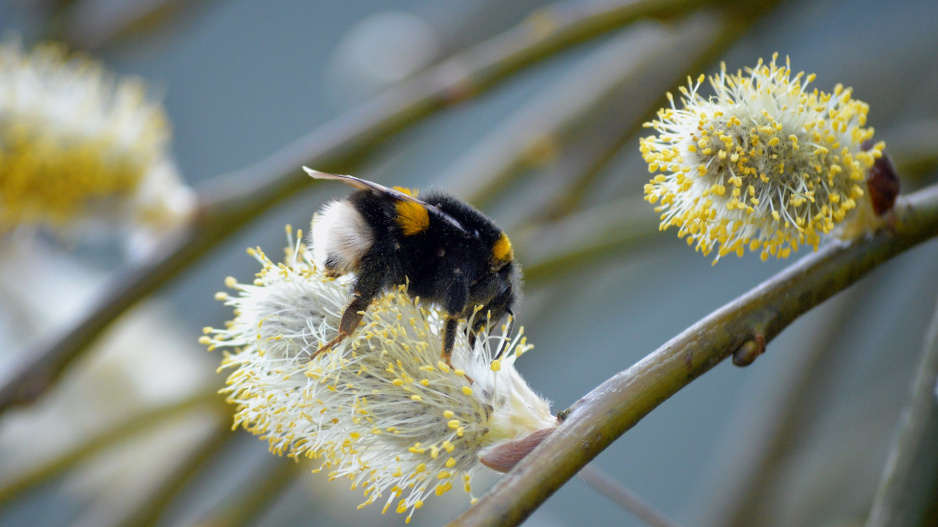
(412, 217)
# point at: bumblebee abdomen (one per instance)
(341, 237)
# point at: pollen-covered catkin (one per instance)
(764, 164)
(380, 409)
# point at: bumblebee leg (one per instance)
(449, 337)
(329, 345)
(455, 302)
(350, 319)
(369, 283)
(353, 313)
(449, 341)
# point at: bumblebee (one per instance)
(447, 253)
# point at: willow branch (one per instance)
(607, 412)
(587, 125)
(230, 201)
(906, 494)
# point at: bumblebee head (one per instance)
(500, 290)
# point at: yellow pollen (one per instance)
(502, 251)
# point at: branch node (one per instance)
(747, 353)
(882, 182)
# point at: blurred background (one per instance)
(133, 434)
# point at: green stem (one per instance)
(909, 486)
(607, 412)
(231, 201)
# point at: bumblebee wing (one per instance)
(362, 184)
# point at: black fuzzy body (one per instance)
(449, 265)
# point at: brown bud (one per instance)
(747, 353)
(503, 456)
(882, 182)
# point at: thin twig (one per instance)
(532, 133)
(231, 201)
(912, 147)
(617, 125)
(105, 440)
(91, 25)
(599, 480)
(149, 511)
(340, 143)
(792, 419)
(254, 496)
(607, 412)
(587, 238)
(907, 491)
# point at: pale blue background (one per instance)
(244, 77)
